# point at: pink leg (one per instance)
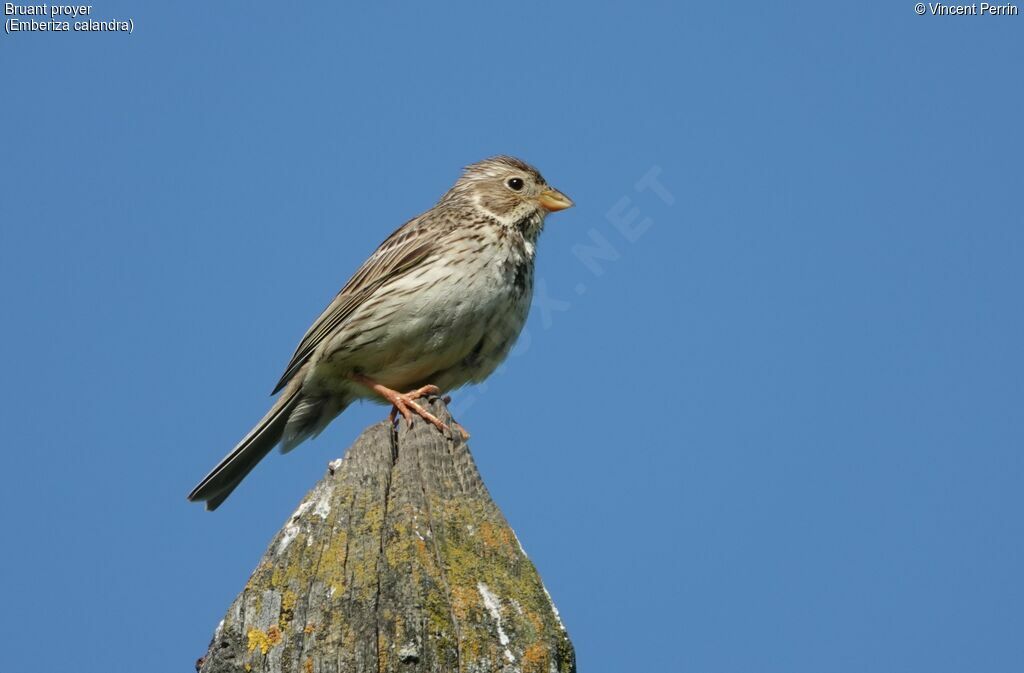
(404, 403)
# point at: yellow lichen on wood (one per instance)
(404, 563)
(496, 537)
(536, 659)
(263, 640)
(332, 568)
(288, 601)
(258, 640)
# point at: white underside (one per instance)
(424, 326)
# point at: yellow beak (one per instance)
(552, 200)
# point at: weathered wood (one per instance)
(398, 560)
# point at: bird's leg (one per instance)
(404, 403)
(414, 395)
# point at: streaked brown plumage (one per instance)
(438, 305)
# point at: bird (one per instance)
(438, 305)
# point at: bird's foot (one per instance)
(406, 400)
(405, 403)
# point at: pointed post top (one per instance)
(397, 560)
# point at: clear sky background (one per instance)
(780, 431)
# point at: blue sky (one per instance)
(780, 430)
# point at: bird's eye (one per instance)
(515, 184)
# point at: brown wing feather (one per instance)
(409, 245)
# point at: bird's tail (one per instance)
(222, 480)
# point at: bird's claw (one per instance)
(405, 405)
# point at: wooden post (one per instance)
(398, 560)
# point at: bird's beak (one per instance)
(552, 200)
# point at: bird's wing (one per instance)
(400, 252)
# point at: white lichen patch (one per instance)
(301, 510)
(409, 652)
(493, 605)
(323, 504)
(291, 530)
(558, 617)
(516, 538)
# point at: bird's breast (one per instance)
(450, 321)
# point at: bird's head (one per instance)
(509, 190)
